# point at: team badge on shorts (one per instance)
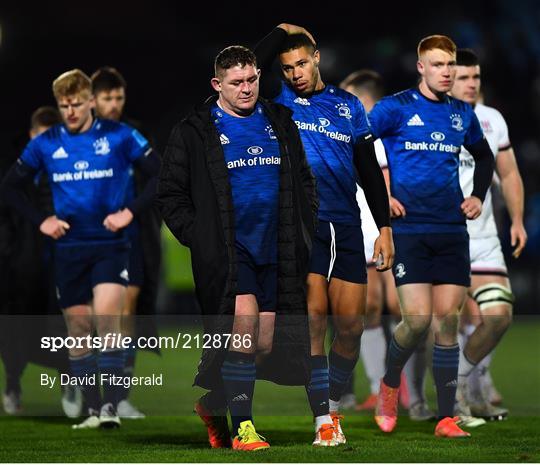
(400, 270)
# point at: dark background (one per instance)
(165, 51)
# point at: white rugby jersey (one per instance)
(369, 228)
(496, 132)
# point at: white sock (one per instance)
(486, 361)
(465, 367)
(393, 325)
(333, 405)
(479, 378)
(462, 340)
(373, 353)
(322, 420)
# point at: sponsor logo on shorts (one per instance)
(240, 398)
(400, 270)
(124, 275)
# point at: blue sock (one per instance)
(445, 372)
(129, 365)
(318, 387)
(396, 359)
(111, 364)
(238, 373)
(86, 366)
(340, 372)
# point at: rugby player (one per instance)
(339, 147)
(87, 161)
(423, 130)
(490, 293)
(234, 181)
(109, 90)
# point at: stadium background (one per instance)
(165, 51)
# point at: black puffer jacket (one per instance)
(194, 195)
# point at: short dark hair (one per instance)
(466, 57)
(234, 55)
(296, 41)
(365, 80)
(106, 79)
(45, 116)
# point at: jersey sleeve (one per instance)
(474, 132)
(383, 119)
(503, 138)
(360, 122)
(381, 154)
(135, 144)
(32, 155)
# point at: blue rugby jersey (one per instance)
(422, 139)
(330, 123)
(252, 155)
(88, 173)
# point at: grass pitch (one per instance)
(171, 433)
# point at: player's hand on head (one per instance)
(471, 207)
(54, 227)
(383, 250)
(396, 208)
(518, 238)
(116, 221)
(293, 29)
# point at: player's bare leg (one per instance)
(83, 362)
(493, 303)
(448, 299)
(348, 303)
(239, 372)
(416, 310)
(109, 300)
(125, 408)
(373, 343)
(318, 387)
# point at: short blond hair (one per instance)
(73, 82)
(439, 42)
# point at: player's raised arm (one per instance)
(266, 52)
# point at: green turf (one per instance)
(172, 433)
